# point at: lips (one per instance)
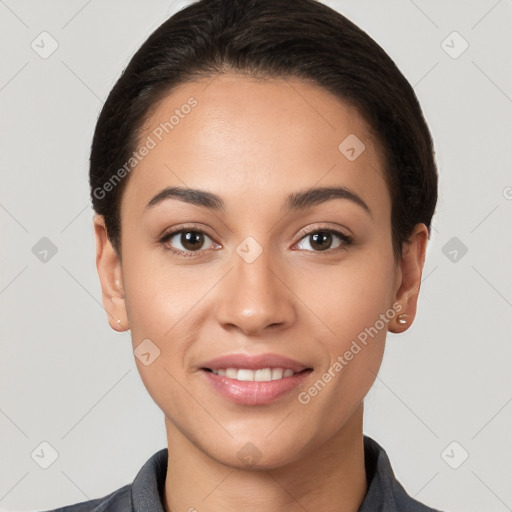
(259, 362)
(245, 380)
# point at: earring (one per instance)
(119, 322)
(401, 319)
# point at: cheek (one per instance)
(159, 302)
(353, 353)
(164, 306)
(157, 294)
(349, 297)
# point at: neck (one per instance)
(330, 478)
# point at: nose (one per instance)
(254, 297)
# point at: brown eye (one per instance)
(186, 241)
(323, 240)
(192, 240)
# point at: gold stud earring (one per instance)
(401, 319)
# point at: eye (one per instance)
(186, 241)
(322, 240)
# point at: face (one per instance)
(256, 266)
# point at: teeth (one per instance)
(277, 373)
(261, 375)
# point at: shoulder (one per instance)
(145, 493)
(385, 492)
(116, 501)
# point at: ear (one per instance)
(409, 277)
(111, 279)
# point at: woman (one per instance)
(264, 183)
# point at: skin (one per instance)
(253, 142)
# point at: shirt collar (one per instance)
(384, 494)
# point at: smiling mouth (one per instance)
(259, 375)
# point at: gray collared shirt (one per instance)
(145, 494)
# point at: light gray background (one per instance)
(66, 378)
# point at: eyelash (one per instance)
(346, 240)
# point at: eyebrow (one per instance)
(296, 201)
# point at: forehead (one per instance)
(239, 136)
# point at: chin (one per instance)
(256, 452)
